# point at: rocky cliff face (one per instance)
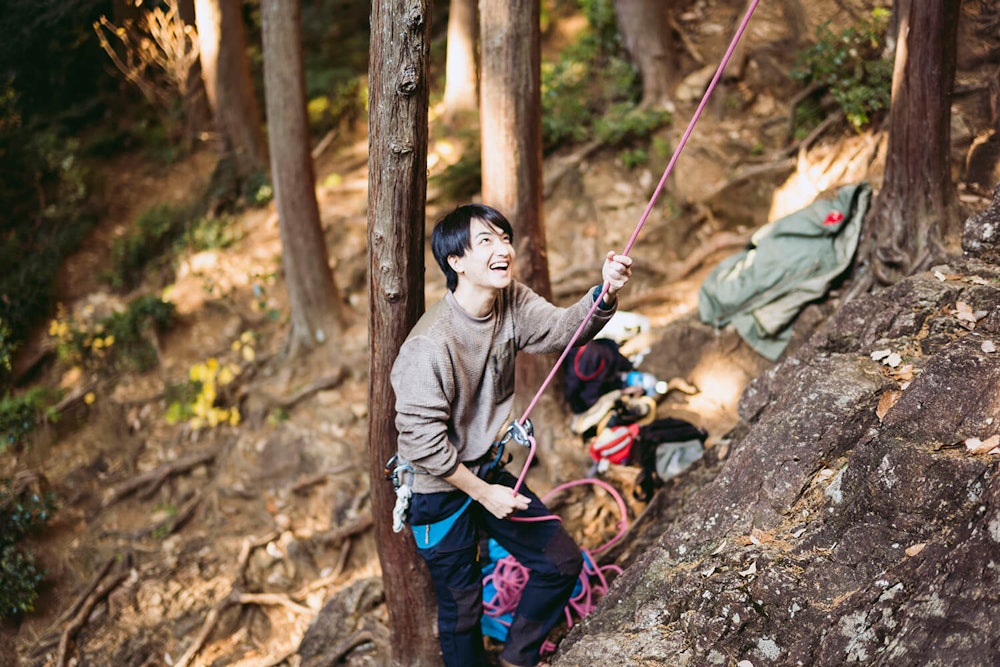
(856, 518)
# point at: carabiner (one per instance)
(519, 433)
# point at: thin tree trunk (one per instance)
(461, 90)
(916, 214)
(397, 188)
(645, 27)
(197, 114)
(510, 111)
(313, 297)
(228, 84)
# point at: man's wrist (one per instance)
(607, 300)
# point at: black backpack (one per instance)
(662, 448)
(593, 370)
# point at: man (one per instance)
(454, 385)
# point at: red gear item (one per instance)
(614, 443)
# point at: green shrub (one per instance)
(851, 65)
(7, 348)
(592, 89)
(464, 178)
(20, 414)
(156, 231)
(116, 342)
(44, 195)
(22, 512)
(212, 233)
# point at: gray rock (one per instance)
(981, 235)
(830, 536)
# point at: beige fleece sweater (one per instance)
(454, 375)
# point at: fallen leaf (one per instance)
(744, 663)
(915, 549)
(879, 355)
(964, 312)
(893, 360)
(708, 572)
(977, 446)
(750, 571)
(798, 533)
(940, 276)
(903, 373)
(718, 549)
(758, 536)
(988, 346)
(886, 403)
(978, 280)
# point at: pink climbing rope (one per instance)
(642, 221)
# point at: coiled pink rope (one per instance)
(642, 221)
(509, 577)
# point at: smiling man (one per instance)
(454, 385)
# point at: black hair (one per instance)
(451, 235)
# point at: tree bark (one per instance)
(510, 111)
(916, 215)
(197, 114)
(313, 297)
(397, 189)
(461, 80)
(228, 84)
(645, 28)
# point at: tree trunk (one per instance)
(228, 83)
(460, 80)
(510, 112)
(197, 114)
(397, 189)
(916, 214)
(313, 297)
(645, 28)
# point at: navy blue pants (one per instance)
(552, 557)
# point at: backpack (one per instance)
(664, 449)
(592, 370)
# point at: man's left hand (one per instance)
(616, 272)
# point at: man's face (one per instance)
(489, 262)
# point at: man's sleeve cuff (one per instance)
(603, 305)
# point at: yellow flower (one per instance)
(246, 337)
(236, 345)
(249, 354)
(89, 398)
(109, 340)
(212, 364)
(234, 417)
(225, 376)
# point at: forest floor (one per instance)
(174, 545)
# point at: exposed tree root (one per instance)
(337, 535)
(153, 479)
(83, 611)
(233, 597)
(303, 484)
(321, 384)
